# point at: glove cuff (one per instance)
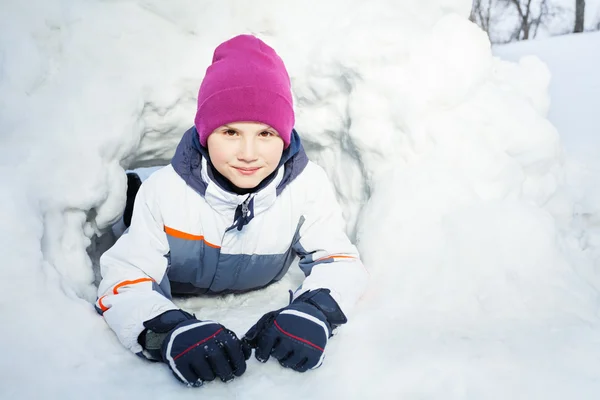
(157, 329)
(322, 300)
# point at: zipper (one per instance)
(245, 212)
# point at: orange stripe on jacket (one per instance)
(102, 306)
(336, 256)
(188, 236)
(126, 283)
(343, 257)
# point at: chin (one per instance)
(246, 183)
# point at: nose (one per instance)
(247, 151)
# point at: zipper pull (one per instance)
(245, 206)
(243, 214)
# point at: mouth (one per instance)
(246, 171)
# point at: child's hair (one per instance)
(247, 81)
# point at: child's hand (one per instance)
(199, 351)
(297, 334)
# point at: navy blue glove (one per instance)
(296, 335)
(196, 351)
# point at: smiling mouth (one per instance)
(247, 171)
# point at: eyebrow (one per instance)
(235, 129)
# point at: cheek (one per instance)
(273, 153)
(218, 156)
(220, 153)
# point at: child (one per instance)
(238, 203)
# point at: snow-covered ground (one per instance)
(480, 233)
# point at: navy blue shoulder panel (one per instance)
(187, 161)
(295, 160)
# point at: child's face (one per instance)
(245, 152)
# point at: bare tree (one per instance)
(481, 14)
(497, 17)
(579, 15)
(531, 16)
(489, 14)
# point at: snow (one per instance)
(573, 111)
(592, 14)
(567, 55)
(480, 232)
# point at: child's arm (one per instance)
(327, 257)
(297, 335)
(132, 272)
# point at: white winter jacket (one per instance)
(188, 235)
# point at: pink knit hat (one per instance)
(247, 81)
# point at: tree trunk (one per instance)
(525, 28)
(579, 15)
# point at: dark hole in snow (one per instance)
(102, 243)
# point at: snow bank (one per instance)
(451, 179)
(574, 65)
(574, 89)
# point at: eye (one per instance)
(230, 132)
(266, 134)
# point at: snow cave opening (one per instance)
(341, 161)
